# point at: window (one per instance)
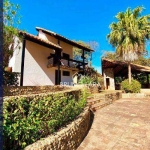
(66, 73)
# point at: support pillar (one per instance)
(22, 61)
(83, 63)
(148, 82)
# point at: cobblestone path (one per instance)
(123, 125)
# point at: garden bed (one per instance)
(28, 118)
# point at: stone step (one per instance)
(95, 100)
(95, 96)
(90, 97)
(97, 106)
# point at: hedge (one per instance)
(30, 118)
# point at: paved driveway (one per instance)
(123, 125)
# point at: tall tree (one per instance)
(10, 23)
(129, 35)
(10, 32)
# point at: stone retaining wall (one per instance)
(68, 138)
(92, 88)
(113, 96)
(26, 90)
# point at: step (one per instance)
(96, 96)
(97, 106)
(95, 100)
(90, 97)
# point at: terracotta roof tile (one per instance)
(40, 39)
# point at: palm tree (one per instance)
(129, 34)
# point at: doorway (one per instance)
(107, 83)
(57, 80)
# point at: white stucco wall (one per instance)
(15, 61)
(35, 66)
(36, 72)
(67, 48)
(67, 79)
(109, 73)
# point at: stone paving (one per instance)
(123, 125)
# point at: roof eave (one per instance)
(37, 40)
(64, 39)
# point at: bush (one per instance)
(29, 118)
(86, 80)
(134, 87)
(10, 78)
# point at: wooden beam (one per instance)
(83, 63)
(22, 61)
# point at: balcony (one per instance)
(66, 64)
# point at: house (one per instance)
(46, 59)
(112, 69)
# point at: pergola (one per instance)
(120, 68)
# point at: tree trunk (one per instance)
(129, 72)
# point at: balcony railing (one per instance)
(50, 62)
(69, 63)
(65, 63)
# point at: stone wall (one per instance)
(113, 96)
(68, 138)
(94, 88)
(26, 90)
(102, 100)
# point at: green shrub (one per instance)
(10, 78)
(134, 87)
(27, 119)
(86, 80)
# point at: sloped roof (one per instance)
(39, 40)
(58, 36)
(122, 67)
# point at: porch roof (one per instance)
(60, 37)
(121, 68)
(39, 40)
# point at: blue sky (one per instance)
(77, 19)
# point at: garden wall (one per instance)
(25, 90)
(68, 138)
(113, 96)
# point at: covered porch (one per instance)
(116, 71)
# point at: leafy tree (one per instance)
(10, 31)
(143, 61)
(77, 53)
(110, 55)
(129, 35)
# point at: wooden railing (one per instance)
(70, 63)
